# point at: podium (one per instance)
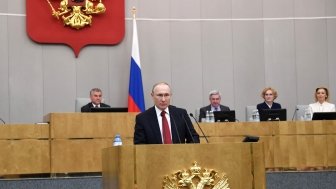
(147, 166)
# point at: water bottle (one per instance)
(117, 140)
(255, 115)
(211, 117)
(307, 115)
(207, 116)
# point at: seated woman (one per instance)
(269, 95)
(322, 104)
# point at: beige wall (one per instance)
(196, 45)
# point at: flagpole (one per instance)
(136, 100)
(133, 12)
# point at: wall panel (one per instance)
(280, 69)
(311, 57)
(4, 91)
(25, 74)
(249, 66)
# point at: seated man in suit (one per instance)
(215, 99)
(269, 95)
(96, 98)
(164, 123)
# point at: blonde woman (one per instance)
(269, 95)
(322, 104)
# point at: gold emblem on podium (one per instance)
(196, 178)
(77, 13)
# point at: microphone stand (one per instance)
(187, 125)
(2, 121)
(199, 127)
(295, 113)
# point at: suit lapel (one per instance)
(155, 125)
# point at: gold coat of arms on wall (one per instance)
(77, 13)
(196, 178)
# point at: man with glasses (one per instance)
(96, 96)
(164, 123)
(269, 95)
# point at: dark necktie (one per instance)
(165, 129)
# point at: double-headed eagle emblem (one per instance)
(196, 178)
(77, 13)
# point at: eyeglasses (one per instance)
(268, 94)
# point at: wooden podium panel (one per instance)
(118, 167)
(70, 156)
(90, 125)
(24, 131)
(240, 129)
(78, 138)
(301, 128)
(24, 149)
(26, 156)
(331, 148)
(287, 144)
(242, 162)
(300, 151)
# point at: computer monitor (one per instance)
(273, 115)
(109, 109)
(225, 116)
(324, 116)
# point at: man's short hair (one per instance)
(95, 90)
(214, 92)
(160, 83)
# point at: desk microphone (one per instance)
(2, 121)
(296, 109)
(187, 125)
(199, 127)
(174, 123)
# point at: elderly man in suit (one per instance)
(96, 96)
(215, 99)
(164, 123)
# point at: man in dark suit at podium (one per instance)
(96, 96)
(164, 123)
(215, 100)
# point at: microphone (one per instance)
(296, 109)
(175, 127)
(2, 121)
(199, 127)
(187, 125)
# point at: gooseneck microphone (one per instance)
(2, 121)
(199, 127)
(187, 125)
(175, 127)
(296, 109)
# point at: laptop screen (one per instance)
(324, 116)
(225, 116)
(273, 115)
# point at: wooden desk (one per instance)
(287, 144)
(72, 142)
(24, 149)
(78, 138)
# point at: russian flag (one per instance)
(136, 101)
